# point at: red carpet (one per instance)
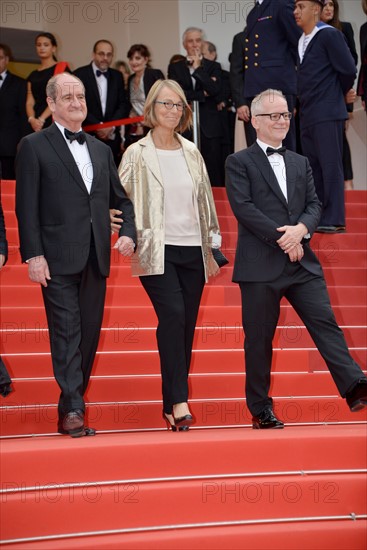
(221, 485)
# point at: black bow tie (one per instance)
(280, 151)
(78, 136)
(99, 73)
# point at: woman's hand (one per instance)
(213, 268)
(116, 222)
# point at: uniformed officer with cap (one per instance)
(264, 56)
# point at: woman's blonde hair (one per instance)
(150, 119)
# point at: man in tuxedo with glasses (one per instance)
(273, 197)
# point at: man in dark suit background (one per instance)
(201, 81)
(273, 198)
(105, 94)
(13, 118)
(66, 183)
(264, 56)
(326, 73)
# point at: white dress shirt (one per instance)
(3, 75)
(81, 156)
(278, 165)
(102, 85)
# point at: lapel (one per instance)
(7, 82)
(267, 172)
(94, 89)
(57, 142)
(150, 158)
(110, 93)
(254, 15)
(93, 146)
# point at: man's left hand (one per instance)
(125, 245)
(293, 235)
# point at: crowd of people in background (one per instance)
(263, 55)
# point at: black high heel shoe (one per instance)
(173, 427)
(169, 425)
(184, 422)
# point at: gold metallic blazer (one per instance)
(141, 178)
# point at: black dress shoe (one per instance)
(87, 432)
(73, 423)
(357, 397)
(266, 420)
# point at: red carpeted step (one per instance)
(124, 362)
(303, 447)
(215, 316)
(20, 419)
(129, 336)
(264, 490)
(339, 534)
(148, 387)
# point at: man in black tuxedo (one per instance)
(105, 94)
(272, 195)
(201, 81)
(13, 118)
(66, 183)
(264, 55)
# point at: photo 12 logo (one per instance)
(28, 12)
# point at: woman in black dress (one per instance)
(38, 113)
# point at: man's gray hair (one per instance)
(52, 86)
(192, 29)
(256, 105)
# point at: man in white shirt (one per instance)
(66, 183)
(273, 197)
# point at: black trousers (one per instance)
(308, 294)
(74, 307)
(176, 296)
(322, 143)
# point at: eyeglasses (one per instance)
(169, 105)
(276, 116)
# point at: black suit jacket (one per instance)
(13, 118)
(117, 105)
(54, 209)
(260, 207)
(150, 76)
(264, 55)
(208, 78)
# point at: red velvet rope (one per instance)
(120, 122)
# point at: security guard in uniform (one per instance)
(264, 56)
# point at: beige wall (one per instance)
(78, 24)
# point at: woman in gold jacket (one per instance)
(165, 177)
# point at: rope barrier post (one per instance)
(196, 123)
